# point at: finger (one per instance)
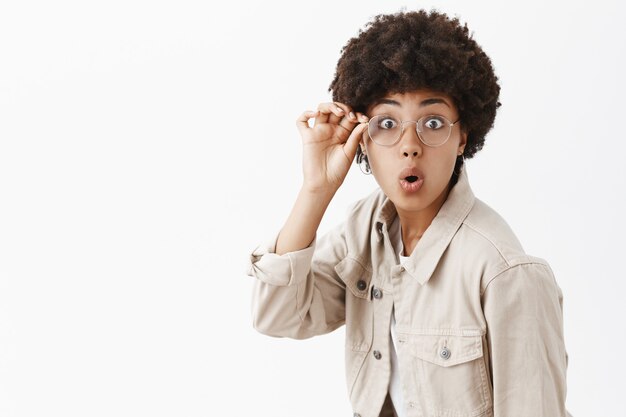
(348, 113)
(362, 118)
(347, 126)
(353, 141)
(322, 117)
(348, 123)
(337, 114)
(347, 129)
(329, 113)
(302, 122)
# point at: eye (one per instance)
(433, 122)
(386, 122)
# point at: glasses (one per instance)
(433, 130)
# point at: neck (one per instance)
(414, 223)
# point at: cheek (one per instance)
(437, 162)
(440, 164)
(448, 166)
(447, 154)
(450, 159)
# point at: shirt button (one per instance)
(445, 353)
(377, 354)
(361, 285)
(377, 292)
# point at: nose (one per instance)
(410, 143)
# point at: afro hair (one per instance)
(408, 51)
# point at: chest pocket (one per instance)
(356, 277)
(449, 373)
(359, 310)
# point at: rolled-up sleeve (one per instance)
(298, 294)
(528, 360)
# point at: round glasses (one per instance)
(433, 130)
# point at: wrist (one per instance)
(324, 193)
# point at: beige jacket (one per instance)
(479, 321)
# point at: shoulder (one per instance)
(364, 211)
(487, 229)
(360, 223)
(530, 283)
(359, 218)
(368, 205)
(488, 237)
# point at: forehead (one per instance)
(414, 100)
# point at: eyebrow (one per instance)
(424, 103)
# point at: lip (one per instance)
(411, 171)
(411, 187)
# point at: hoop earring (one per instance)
(460, 161)
(364, 164)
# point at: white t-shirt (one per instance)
(395, 385)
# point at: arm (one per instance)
(329, 148)
(528, 361)
(297, 293)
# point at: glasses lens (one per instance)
(434, 130)
(384, 130)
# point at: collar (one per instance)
(424, 259)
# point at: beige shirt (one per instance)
(479, 322)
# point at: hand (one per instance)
(330, 145)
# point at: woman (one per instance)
(445, 313)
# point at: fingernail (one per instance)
(339, 109)
(352, 115)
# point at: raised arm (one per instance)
(328, 150)
(297, 292)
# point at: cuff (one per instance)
(281, 270)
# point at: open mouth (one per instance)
(411, 179)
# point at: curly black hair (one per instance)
(407, 51)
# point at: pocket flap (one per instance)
(356, 276)
(444, 350)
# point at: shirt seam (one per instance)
(500, 273)
(475, 229)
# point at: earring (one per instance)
(364, 164)
(460, 161)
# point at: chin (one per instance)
(412, 202)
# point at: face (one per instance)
(409, 156)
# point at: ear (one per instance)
(462, 142)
